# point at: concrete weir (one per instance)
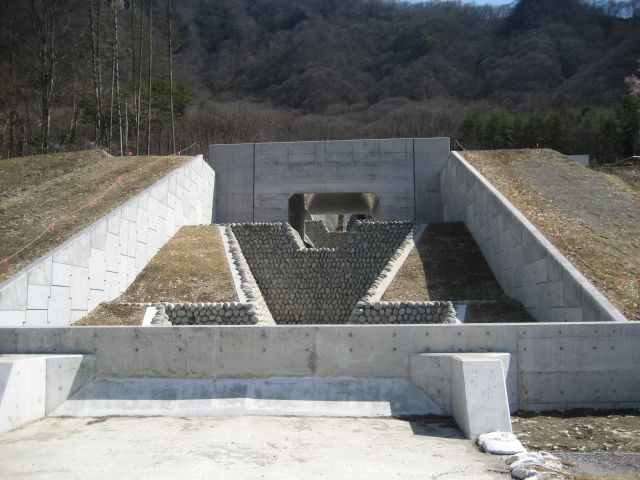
(316, 339)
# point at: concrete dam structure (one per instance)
(311, 332)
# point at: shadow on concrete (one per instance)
(434, 426)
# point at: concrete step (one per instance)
(32, 386)
(314, 397)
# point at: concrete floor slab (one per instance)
(241, 447)
(326, 397)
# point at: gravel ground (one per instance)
(70, 190)
(591, 215)
(593, 444)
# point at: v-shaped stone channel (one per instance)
(317, 285)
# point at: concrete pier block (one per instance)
(469, 386)
(31, 386)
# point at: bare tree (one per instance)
(116, 71)
(150, 67)
(139, 86)
(42, 14)
(97, 82)
(173, 125)
(13, 114)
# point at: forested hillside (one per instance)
(80, 73)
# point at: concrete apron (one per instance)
(471, 387)
(313, 397)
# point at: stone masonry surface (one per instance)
(317, 285)
(404, 313)
(321, 237)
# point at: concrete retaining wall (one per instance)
(256, 180)
(527, 266)
(552, 366)
(100, 262)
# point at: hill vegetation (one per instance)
(83, 73)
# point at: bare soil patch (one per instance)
(46, 199)
(591, 215)
(594, 445)
(448, 265)
(579, 431)
(191, 267)
(112, 314)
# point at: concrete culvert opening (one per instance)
(303, 205)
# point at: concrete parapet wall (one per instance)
(255, 181)
(100, 262)
(573, 365)
(527, 266)
(317, 285)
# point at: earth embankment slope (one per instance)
(46, 199)
(591, 215)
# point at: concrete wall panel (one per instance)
(255, 181)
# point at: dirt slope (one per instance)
(591, 215)
(45, 199)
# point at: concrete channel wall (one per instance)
(552, 366)
(527, 266)
(101, 261)
(255, 181)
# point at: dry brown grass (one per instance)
(191, 267)
(592, 217)
(70, 190)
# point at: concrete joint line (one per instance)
(232, 268)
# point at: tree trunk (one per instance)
(13, 115)
(43, 18)
(173, 127)
(150, 67)
(133, 73)
(96, 80)
(139, 88)
(116, 71)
